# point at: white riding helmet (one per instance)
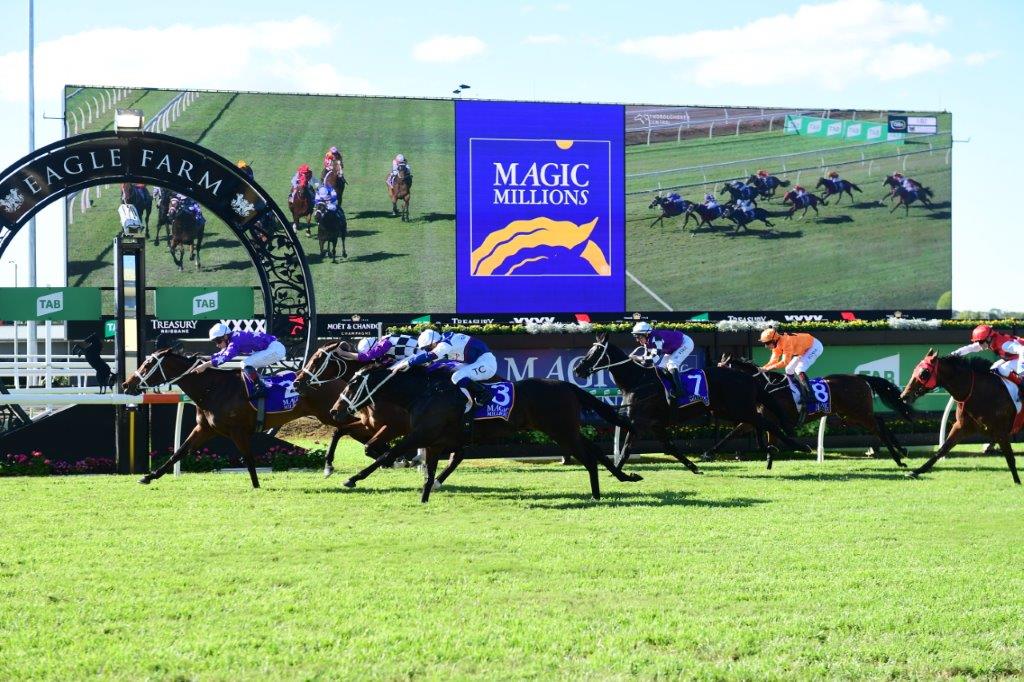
(642, 328)
(366, 343)
(400, 158)
(218, 330)
(428, 338)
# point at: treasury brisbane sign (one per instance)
(540, 209)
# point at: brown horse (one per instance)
(139, 197)
(334, 175)
(300, 204)
(222, 407)
(982, 403)
(186, 230)
(851, 401)
(399, 189)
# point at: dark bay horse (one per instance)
(837, 187)
(300, 204)
(187, 229)
(805, 202)
(767, 185)
(162, 197)
(703, 215)
(892, 183)
(983, 404)
(907, 197)
(222, 407)
(330, 226)
(733, 396)
(742, 219)
(670, 207)
(139, 197)
(436, 406)
(400, 189)
(851, 401)
(739, 191)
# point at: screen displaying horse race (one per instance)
(415, 206)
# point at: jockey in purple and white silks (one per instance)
(666, 349)
(263, 350)
(325, 194)
(746, 207)
(386, 349)
(399, 160)
(710, 202)
(475, 362)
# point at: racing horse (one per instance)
(223, 408)
(334, 175)
(742, 218)
(837, 187)
(983, 403)
(805, 202)
(162, 197)
(399, 189)
(732, 396)
(299, 204)
(738, 191)
(330, 226)
(907, 197)
(767, 185)
(139, 197)
(671, 206)
(703, 215)
(850, 397)
(892, 183)
(436, 407)
(186, 229)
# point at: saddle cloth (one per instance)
(821, 396)
(280, 396)
(503, 395)
(694, 384)
(1015, 396)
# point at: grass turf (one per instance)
(841, 570)
(821, 262)
(392, 266)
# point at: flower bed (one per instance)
(35, 464)
(278, 458)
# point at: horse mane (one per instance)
(980, 365)
(743, 362)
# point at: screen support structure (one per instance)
(131, 424)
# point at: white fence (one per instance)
(92, 107)
(657, 124)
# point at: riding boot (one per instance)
(805, 398)
(677, 386)
(258, 389)
(481, 394)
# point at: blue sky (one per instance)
(869, 54)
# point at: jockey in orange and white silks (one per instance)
(833, 176)
(332, 155)
(795, 352)
(1010, 350)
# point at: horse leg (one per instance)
(408, 443)
(243, 441)
(889, 441)
(428, 483)
(329, 457)
(574, 444)
(951, 440)
(197, 437)
(456, 458)
(1004, 445)
(709, 455)
(897, 205)
(672, 449)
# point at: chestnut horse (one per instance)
(300, 204)
(983, 403)
(399, 189)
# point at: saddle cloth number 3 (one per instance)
(502, 397)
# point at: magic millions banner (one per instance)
(540, 221)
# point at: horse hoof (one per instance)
(145, 480)
(696, 471)
(437, 485)
(350, 483)
(902, 465)
(328, 470)
(913, 474)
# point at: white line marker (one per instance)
(648, 290)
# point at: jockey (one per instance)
(245, 169)
(325, 194)
(746, 207)
(800, 191)
(475, 362)
(330, 156)
(676, 199)
(666, 349)
(188, 204)
(304, 176)
(1010, 350)
(797, 352)
(710, 201)
(399, 160)
(763, 174)
(905, 182)
(834, 178)
(263, 350)
(386, 349)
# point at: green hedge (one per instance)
(858, 325)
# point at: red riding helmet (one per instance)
(981, 333)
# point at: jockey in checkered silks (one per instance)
(473, 359)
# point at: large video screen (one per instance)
(526, 207)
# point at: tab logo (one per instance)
(888, 368)
(205, 303)
(50, 304)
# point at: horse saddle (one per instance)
(280, 392)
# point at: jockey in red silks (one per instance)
(303, 178)
(1010, 350)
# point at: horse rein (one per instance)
(158, 364)
(604, 353)
(329, 359)
(357, 401)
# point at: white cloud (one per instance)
(448, 49)
(256, 56)
(546, 39)
(851, 37)
(979, 58)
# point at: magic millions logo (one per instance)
(540, 208)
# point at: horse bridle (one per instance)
(158, 365)
(359, 401)
(603, 345)
(329, 358)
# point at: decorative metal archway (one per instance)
(82, 161)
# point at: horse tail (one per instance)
(772, 405)
(889, 394)
(603, 409)
(927, 192)
(855, 186)
(784, 183)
